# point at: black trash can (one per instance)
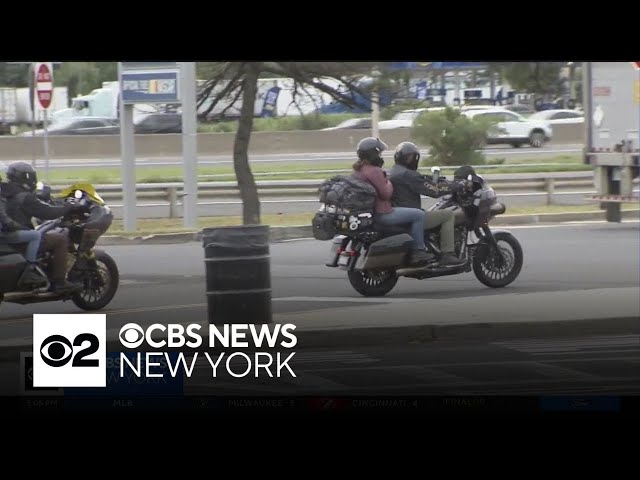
(238, 274)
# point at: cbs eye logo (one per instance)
(131, 335)
(69, 350)
(57, 350)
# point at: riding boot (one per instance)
(450, 260)
(421, 256)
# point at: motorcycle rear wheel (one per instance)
(373, 284)
(97, 297)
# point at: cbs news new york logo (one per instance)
(69, 350)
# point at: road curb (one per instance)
(416, 334)
(278, 234)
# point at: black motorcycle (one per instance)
(94, 271)
(375, 256)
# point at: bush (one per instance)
(453, 138)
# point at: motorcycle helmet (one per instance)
(370, 150)
(407, 154)
(23, 174)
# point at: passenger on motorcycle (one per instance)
(14, 233)
(369, 168)
(409, 184)
(23, 205)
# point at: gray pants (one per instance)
(445, 219)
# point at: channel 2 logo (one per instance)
(69, 350)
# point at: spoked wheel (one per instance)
(495, 270)
(373, 284)
(100, 285)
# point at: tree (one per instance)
(540, 78)
(227, 83)
(107, 71)
(14, 75)
(79, 77)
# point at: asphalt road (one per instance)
(548, 151)
(165, 284)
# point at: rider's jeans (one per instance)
(403, 216)
(31, 237)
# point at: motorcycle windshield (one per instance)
(87, 188)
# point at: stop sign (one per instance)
(44, 84)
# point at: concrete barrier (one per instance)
(170, 145)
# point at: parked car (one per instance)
(405, 118)
(360, 123)
(559, 116)
(520, 108)
(80, 126)
(158, 123)
(513, 129)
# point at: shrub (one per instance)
(452, 137)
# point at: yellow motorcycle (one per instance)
(93, 269)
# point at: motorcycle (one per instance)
(93, 269)
(376, 256)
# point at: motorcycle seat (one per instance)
(391, 229)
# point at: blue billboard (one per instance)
(159, 86)
(458, 65)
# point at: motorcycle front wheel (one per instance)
(100, 285)
(497, 271)
(373, 284)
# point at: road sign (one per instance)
(44, 83)
(150, 86)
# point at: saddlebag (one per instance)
(12, 264)
(386, 253)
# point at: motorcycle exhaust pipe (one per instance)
(15, 296)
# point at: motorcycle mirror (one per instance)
(435, 169)
(78, 194)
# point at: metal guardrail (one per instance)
(295, 191)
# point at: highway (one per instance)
(548, 151)
(569, 268)
(309, 204)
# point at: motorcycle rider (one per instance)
(369, 168)
(12, 232)
(409, 184)
(23, 205)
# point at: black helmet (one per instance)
(23, 174)
(370, 149)
(408, 155)
(463, 172)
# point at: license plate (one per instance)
(343, 261)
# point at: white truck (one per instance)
(612, 132)
(100, 102)
(15, 107)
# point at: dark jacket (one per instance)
(408, 185)
(7, 224)
(23, 205)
